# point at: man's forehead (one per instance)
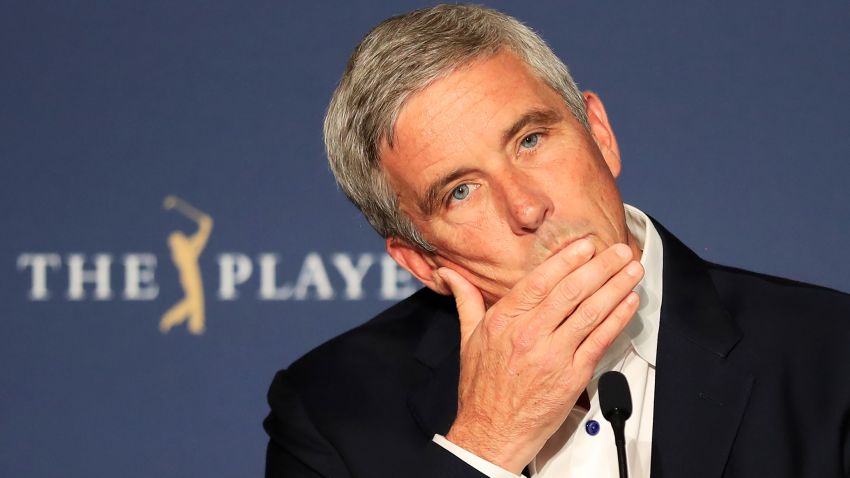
(469, 107)
(470, 90)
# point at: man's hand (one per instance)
(525, 361)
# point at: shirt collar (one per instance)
(642, 332)
(643, 329)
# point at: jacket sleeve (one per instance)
(297, 449)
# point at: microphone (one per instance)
(615, 400)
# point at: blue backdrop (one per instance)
(731, 118)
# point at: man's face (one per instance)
(497, 174)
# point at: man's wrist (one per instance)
(491, 470)
(510, 454)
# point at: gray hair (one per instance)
(400, 57)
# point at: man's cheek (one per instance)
(470, 220)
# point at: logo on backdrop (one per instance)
(185, 251)
(322, 277)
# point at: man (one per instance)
(467, 145)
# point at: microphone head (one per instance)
(614, 395)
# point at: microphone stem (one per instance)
(621, 460)
(619, 425)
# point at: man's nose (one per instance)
(527, 204)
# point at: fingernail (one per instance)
(632, 298)
(633, 269)
(623, 251)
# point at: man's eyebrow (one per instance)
(542, 116)
(429, 201)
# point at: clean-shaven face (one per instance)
(497, 174)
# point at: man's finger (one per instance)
(469, 302)
(536, 286)
(566, 296)
(590, 352)
(599, 305)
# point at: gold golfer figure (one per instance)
(185, 251)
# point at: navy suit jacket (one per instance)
(752, 380)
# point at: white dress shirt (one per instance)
(573, 450)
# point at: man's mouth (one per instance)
(553, 242)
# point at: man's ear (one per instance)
(419, 263)
(602, 132)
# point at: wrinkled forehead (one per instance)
(459, 118)
(403, 97)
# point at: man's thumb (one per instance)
(468, 299)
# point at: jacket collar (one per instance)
(433, 398)
(700, 396)
(691, 305)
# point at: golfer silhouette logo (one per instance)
(185, 251)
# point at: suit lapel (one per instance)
(699, 398)
(433, 398)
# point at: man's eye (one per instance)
(461, 192)
(530, 141)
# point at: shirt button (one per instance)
(591, 427)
